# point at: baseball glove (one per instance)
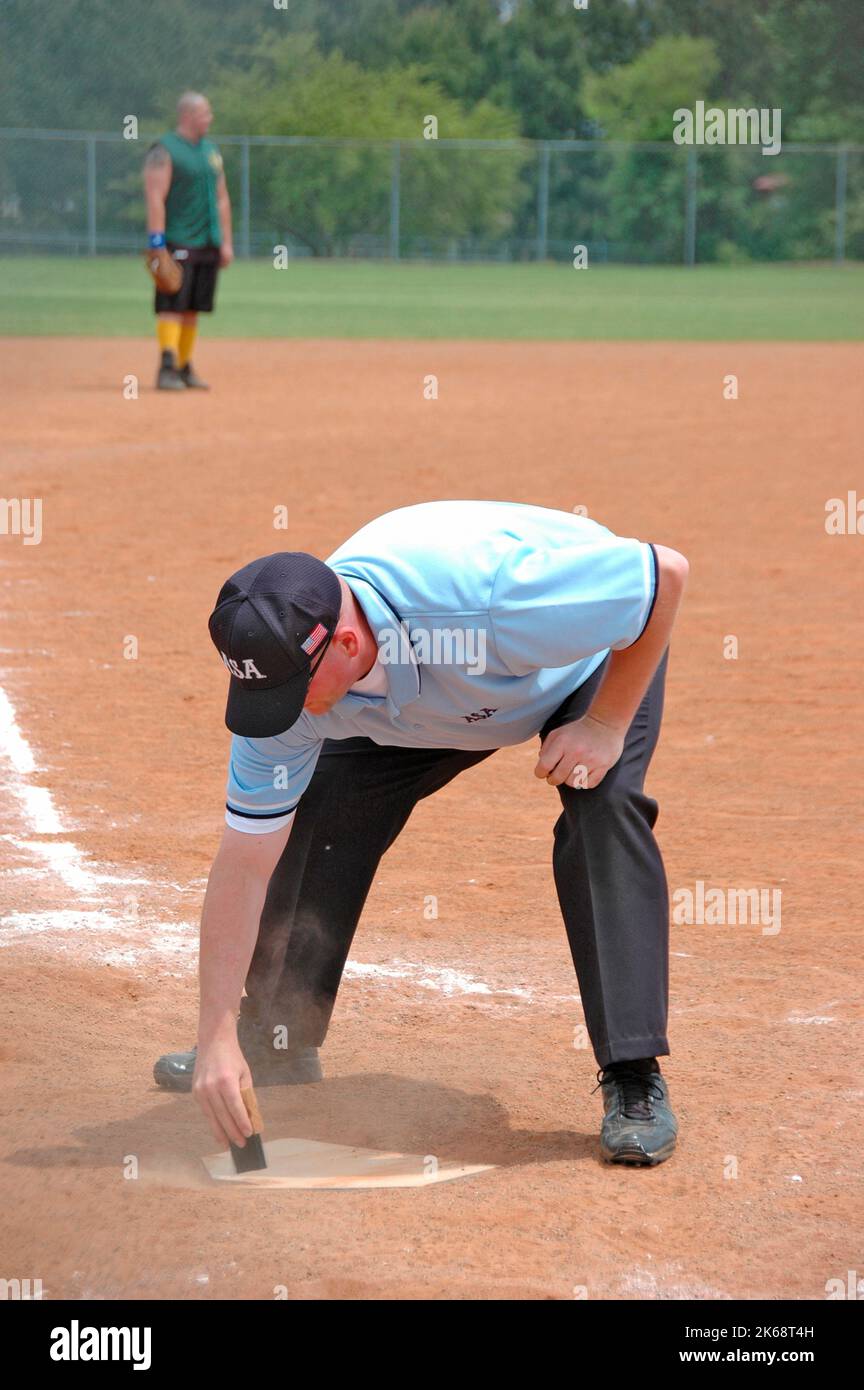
(167, 275)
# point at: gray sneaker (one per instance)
(190, 378)
(168, 377)
(175, 1071)
(639, 1127)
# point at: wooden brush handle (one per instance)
(252, 1110)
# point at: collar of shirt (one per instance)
(403, 675)
(373, 683)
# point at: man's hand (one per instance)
(235, 896)
(226, 255)
(587, 745)
(220, 1072)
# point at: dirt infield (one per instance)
(453, 1037)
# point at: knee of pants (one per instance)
(613, 799)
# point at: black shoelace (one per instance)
(637, 1089)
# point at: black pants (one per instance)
(608, 874)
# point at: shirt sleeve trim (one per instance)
(258, 825)
(654, 582)
(261, 815)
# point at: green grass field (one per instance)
(109, 297)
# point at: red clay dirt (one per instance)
(464, 1042)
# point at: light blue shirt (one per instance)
(487, 616)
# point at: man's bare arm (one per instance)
(157, 181)
(235, 896)
(223, 202)
(629, 672)
(595, 742)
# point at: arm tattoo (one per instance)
(156, 157)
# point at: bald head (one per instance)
(188, 101)
(193, 115)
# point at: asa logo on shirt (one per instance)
(483, 713)
(244, 672)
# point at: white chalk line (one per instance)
(60, 862)
(447, 981)
(148, 940)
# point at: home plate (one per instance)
(305, 1163)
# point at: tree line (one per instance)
(486, 69)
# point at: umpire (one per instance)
(435, 635)
(188, 210)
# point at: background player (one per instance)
(189, 211)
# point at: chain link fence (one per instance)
(80, 193)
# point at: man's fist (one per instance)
(579, 754)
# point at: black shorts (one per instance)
(200, 266)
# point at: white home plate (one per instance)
(305, 1163)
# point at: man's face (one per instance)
(335, 675)
(201, 118)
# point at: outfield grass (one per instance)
(109, 297)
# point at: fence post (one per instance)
(245, 200)
(691, 180)
(840, 204)
(91, 196)
(543, 202)
(395, 199)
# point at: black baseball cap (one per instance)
(272, 624)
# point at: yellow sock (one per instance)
(188, 332)
(168, 333)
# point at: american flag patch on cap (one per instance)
(315, 638)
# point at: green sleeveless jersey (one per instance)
(191, 213)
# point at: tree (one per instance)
(635, 101)
(337, 197)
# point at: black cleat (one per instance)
(169, 379)
(191, 380)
